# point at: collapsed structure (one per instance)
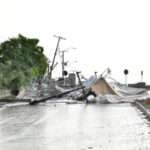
(115, 92)
(102, 87)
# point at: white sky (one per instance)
(106, 33)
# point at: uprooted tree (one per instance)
(21, 61)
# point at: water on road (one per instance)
(60, 126)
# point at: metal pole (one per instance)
(83, 91)
(63, 68)
(63, 63)
(57, 46)
(126, 80)
(48, 69)
(95, 74)
(141, 76)
(126, 72)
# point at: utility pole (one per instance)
(64, 63)
(57, 46)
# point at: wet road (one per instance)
(50, 126)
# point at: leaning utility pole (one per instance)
(57, 46)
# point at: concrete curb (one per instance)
(143, 109)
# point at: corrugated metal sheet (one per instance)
(101, 87)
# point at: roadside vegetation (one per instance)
(21, 61)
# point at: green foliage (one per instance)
(21, 60)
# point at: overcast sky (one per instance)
(106, 33)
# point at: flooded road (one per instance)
(55, 126)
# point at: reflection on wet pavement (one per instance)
(50, 126)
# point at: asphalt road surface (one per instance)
(60, 126)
